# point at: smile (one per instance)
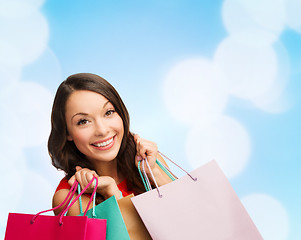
(104, 144)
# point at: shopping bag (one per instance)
(109, 210)
(132, 220)
(199, 205)
(61, 227)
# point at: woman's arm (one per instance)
(107, 187)
(74, 210)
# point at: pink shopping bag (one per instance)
(36, 227)
(199, 205)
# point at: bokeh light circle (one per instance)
(27, 105)
(193, 91)
(248, 71)
(10, 64)
(19, 8)
(29, 35)
(243, 15)
(268, 214)
(293, 19)
(224, 140)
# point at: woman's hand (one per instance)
(107, 186)
(149, 150)
(146, 149)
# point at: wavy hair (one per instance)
(65, 155)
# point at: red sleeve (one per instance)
(63, 184)
(122, 187)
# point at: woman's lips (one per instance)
(104, 145)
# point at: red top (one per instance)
(121, 186)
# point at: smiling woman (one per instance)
(90, 137)
(93, 125)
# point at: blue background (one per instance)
(134, 45)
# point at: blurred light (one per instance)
(194, 93)
(10, 64)
(269, 216)
(248, 71)
(19, 8)
(244, 15)
(293, 19)
(27, 108)
(28, 35)
(224, 140)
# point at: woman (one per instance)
(90, 136)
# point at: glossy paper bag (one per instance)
(201, 205)
(109, 210)
(37, 227)
(132, 220)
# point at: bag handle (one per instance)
(193, 178)
(94, 201)
(78, 196)
(81, 204)
(68, 199)
(145, 178)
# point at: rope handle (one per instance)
(152, 175)
(81, 204)
(193, 178)
(67, 199)
(172, 176)
(79, 195)
(94, 201)
(146, 186)
(166, 170)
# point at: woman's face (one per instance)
(93, 125)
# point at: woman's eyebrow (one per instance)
(84, 114)
(106, 104)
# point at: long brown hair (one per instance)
(64, 154)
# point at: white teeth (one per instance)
(103, 144)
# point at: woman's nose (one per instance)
(101, 128)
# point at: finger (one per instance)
(78, 168)
(81, 177)
(138, 158)
(150, 148)
(71, 180)
(77, 174)
(140, 154)
(136, 137)
(95, 174)
(78, 177)
(89, 177)
(141, 148)
(85, 177)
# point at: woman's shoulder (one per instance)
(63, 184)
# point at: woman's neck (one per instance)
(109, 169)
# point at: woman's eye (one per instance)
(82, 122)
(110, 112)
